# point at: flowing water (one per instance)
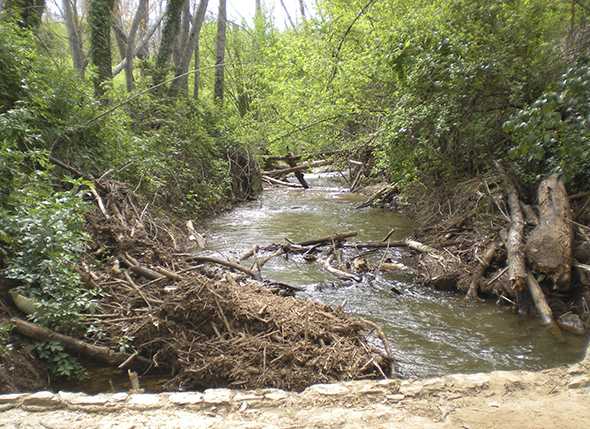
(431, 332)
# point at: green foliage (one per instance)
(59, 363)
(553, 133)
(5, 331)
(15, 62)
(47, 240)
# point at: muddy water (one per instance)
(432, 333)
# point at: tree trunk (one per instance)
(130, 53)
(119, 29)
(27, 12)
(515, 240)
(192, 43)
(220, 51)
(74, 35)
(549, 247)
(143, 51)
(169, 33)
(99, 20)
(287, 14)
(302, 9)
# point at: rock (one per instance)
(82, 399)
(217, 396)
(571, 322)
(42, 399)
(327, 389)
(119, 397)
(275, 394)
(144, 400)
(186, 398)
(13, 398)
(579, 381)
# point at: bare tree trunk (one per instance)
(197, 70)
(119, 29)
(169, 33)
(143, 52)
(192, 43)
(142, 45)
(549, 246)
(130, 53)
(287, 13)
(220, 51)
(302, 9)
(99, 20)
(74, 35)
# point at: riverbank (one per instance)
(500, 399)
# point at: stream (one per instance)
(431, 332)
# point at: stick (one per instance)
(304, 166)
(281, 182)
(343, 275)
(233, 265)
(73, 345)
(329, 239)
(543, 309)
(483, 265)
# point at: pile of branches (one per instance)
(531, 252)
(166, 309)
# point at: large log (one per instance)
(549, 247)
(515, 239)
(342, 275)
(73, 345)
(300, 167)
(543, 309)
(274, 181)
(228, 264)
(329, 239)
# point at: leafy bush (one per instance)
(59, 363)
(46, 237)
(553, 133)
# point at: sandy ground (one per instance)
(556, 398)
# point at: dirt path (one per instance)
(557, 398)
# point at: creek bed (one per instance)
(431, 332)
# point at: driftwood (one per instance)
(73, 345)
(381, 195)
(543, 310)
(274, 181)
(300, 167)
(483, 265)
(228, 264)
(549, 246)
(328, 239)
(515, 239)
(298, 174)
(343, 275)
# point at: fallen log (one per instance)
(515, 239)
(228, 264)
(343, 275)
(274, 181)
(381, 194)
(329, 239)
(483, 265)
(73, 345)
(543, 309)
(300, 167)
(549, 246)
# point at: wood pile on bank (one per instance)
(197, 319)
(528, 253)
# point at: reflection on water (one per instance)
(431, 332)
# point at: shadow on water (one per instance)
(431, 332)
